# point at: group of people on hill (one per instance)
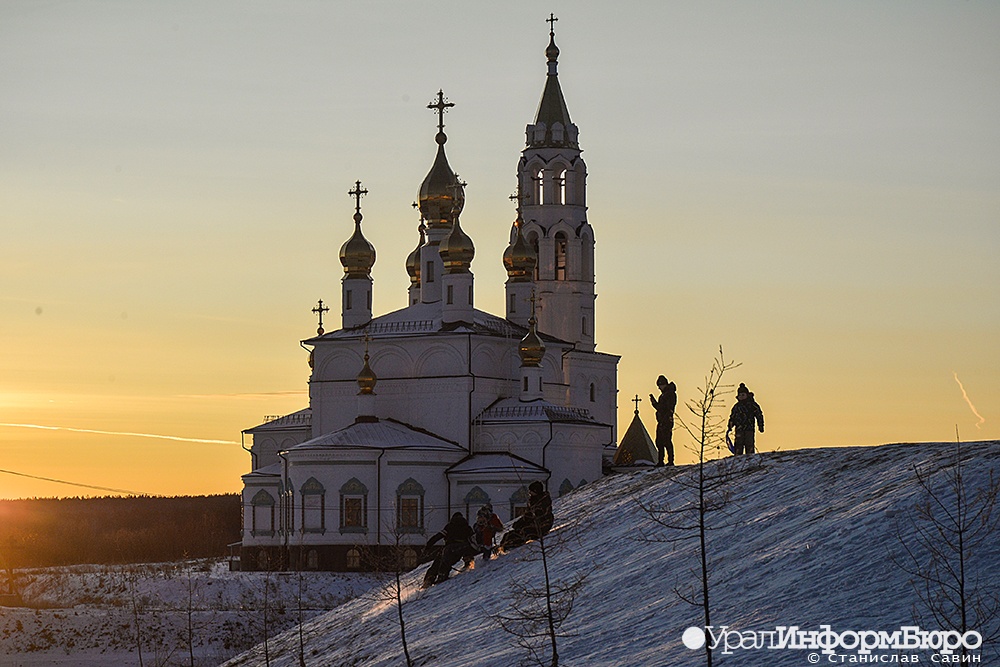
(463, 542)
(745, 414)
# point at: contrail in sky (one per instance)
(125, 433)
(982, 420)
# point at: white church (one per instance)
(440, 407)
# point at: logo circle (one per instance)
(693, 638)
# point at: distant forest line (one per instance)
(44, 532)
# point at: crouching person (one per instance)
(457, 536)
(535, 522)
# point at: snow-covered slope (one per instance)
(809, 543)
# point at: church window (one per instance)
(369, 299)
(313, 506)
(409, 559)
(538, 181)
(560, 256)
(592, 392)
(475, 499)
(410, 507)
(451, 294)
(312, 560)
(518, 502)
(429, 273)
(513, 304)
(565, 487)
(561, 187)
(353, 559)
(353, 507)
(584, 329)
(539, 384)
(262, 514)
(348, 300)
(526, 383)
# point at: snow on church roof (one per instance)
(514, 410)
(492, 463)
(379, 434)
(299, 419)
(425, 318)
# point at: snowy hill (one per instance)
(814, 532)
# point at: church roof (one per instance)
(272, 471)
(515, 410)
(299, 419)
(636, 446)
(425, 319)
(380, 434)
(494, 463)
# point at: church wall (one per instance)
(583, 369)
(575, 455)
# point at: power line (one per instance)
(62, 481)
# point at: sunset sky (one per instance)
(814, 186)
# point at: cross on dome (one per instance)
(552, 24)
(319, 310)
(441, 106)
(357, 193)
(637, 401)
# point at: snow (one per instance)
(807, 541)
(82, 616)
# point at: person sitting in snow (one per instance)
(535, 522)
(457, 536)
(487, 525)
(744, 414)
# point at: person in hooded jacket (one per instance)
(665, 419)
(536, 521)
(457, 536)
(743, 417)
(487, 525)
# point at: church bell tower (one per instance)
(552, 178)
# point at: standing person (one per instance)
(665, 419)
(488, 524)
(457, 536)
(742, 418)
(536, 521)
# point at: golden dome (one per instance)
(367, 378)
(440, 197)
(357, 254)
(413, 259)
(457, 250)
(519, 257)
(531, 349)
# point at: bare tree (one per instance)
(942, 533)
(538, 612)
(389, 566)
(704, 492)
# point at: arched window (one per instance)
(312, 560)
(538, 187)
(565, 487)
(353, 559)
(560, 187)
(410, 507)
(475, 499)
(313, 506)
(518, 502)
(593, 392)
(262, 514)
(560, 249)
(353, 507)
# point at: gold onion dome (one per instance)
(357, 254)
(531, 349)
(457, 250)
(413, 259)
(367, 378)
(440, 199)
(519, 257)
